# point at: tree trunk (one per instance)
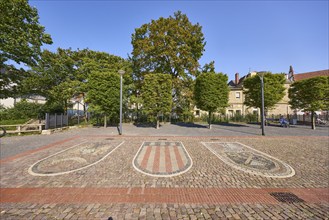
(158, 123)
(137, 113)
(209, 118)
(312, 120)
(85, 112)
(105, 121)
(84, 108)
(65, 107)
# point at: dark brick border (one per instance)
(157, 195)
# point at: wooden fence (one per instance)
(23, 128)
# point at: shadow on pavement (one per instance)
(145, 125)
(231, 125)
(233, 128)
(190, 125)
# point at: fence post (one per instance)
(19, 130)
(55, 120)
(47, 121)
(61, 120)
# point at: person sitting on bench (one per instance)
(283, 122)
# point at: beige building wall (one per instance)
(236, 99)
(236, 106)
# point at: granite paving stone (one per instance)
(210, 189)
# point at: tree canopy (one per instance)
(20, 32)
(156, 95)
(168, 45)
(104, 93)
(274, 90)
(211, 92)
(310, 95)
(171, 46)
(62, 75)
(21, 38)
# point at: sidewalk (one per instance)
(113, 187)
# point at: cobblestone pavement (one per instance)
(210, 189)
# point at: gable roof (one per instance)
(233, 84)
(301, 76)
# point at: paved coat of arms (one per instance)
(250, 160)
(162, 159)
(77, 157)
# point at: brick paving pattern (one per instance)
(244, 158)
(210, 189)
(162, 159)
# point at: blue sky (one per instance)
(240, 35)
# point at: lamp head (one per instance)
(261, 73)
(121, 72)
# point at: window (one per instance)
(197, 112)
(237, 95)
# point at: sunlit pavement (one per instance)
(170, 173)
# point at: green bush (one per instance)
(251, 118)
(13, 121)
(238, 118)
(21, 110)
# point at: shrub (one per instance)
(21, 110)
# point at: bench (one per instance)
(268, 121)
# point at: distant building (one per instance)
(300, 76)
(237, 97)
(10, 102)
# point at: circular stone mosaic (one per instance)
(162, 159)
(75, 158)
(249, 160)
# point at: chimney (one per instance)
(291, 74)
(236, 78)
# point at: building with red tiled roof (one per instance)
(300, 76)
(236, 104)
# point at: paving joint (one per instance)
(210, 189)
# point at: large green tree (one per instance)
(310, 95)
(104, 94)
(211, 92)
(171, 46)
(274, 90)
(156, 95)
(55, 78)
(62, 75)
(87, 61)
(21, 38)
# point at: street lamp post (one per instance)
(261, 76)
(121, 72)
(78, 113)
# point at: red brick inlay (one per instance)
(156, 162)
(156, 195)
(178, 158)
(168, 160)
(9, 159)
(146, 157)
